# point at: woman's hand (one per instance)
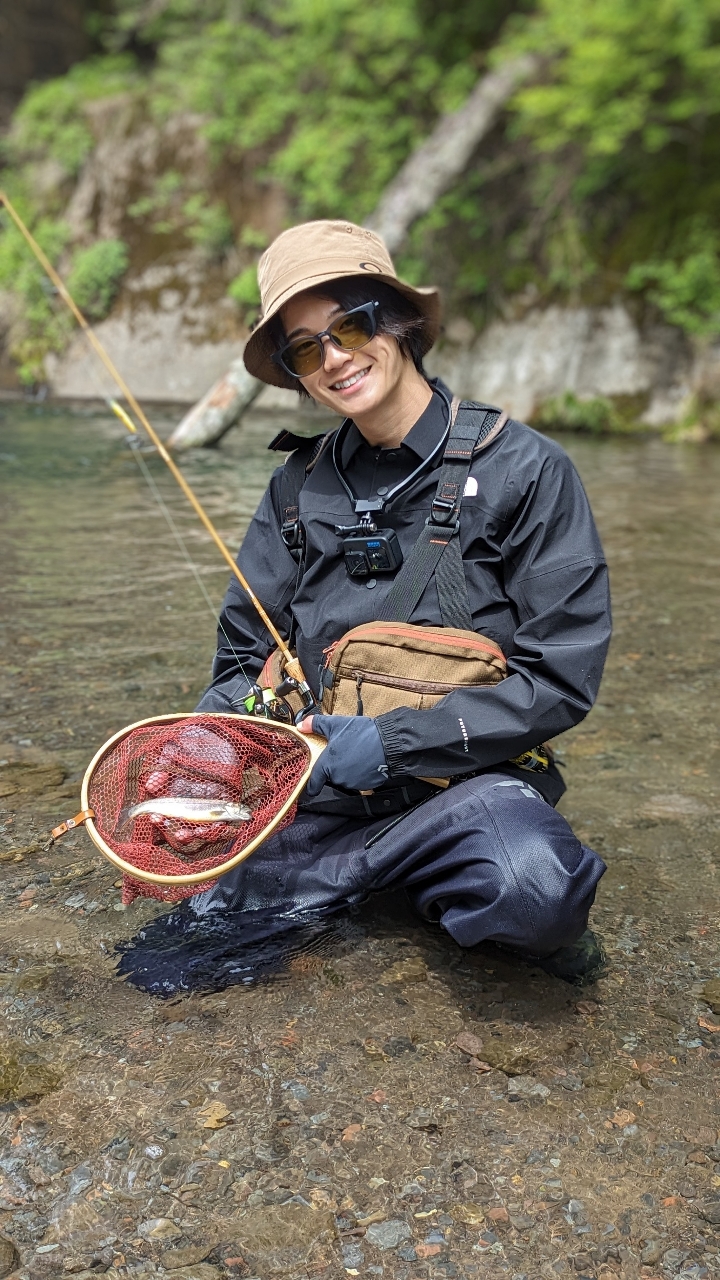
(354, 759)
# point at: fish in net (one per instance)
(177, 800)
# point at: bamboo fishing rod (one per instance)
(292, 665)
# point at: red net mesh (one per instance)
(249, 770)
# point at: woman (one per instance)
(488, 857)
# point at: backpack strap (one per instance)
(305, 452)
(437, 550)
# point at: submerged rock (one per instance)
(9, 1259)
(23, 1075)
(388, 1235)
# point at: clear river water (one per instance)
(329, 1122)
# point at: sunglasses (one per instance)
(348, 332)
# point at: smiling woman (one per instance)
(377, 544)
(340, 327)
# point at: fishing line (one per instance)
(292, 665)
(147, 474)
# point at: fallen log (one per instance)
(442, 157)
(220, 408)
(425, 176)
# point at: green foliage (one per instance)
(649, 70)
(244, 290)
(40, 327)
(209, 225)
(606, 175)
(597, 416)
(96, 274)
(686, 289)
(51, 122)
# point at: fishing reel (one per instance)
(271, 704)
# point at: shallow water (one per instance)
(342, 1092)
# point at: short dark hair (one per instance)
(398, 316)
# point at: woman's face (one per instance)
(351, 383)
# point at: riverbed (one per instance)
(329, 1122)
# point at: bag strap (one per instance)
(305, 452)
(437, 550)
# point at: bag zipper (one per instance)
(399, 682)
(413, 633)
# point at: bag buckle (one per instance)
(445, 525)
(442, 511)
(290, 534)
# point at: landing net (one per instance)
(245, 770)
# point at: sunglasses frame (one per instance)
(369, 309)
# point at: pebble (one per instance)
(526, 1087)
(80, 1180)
(711, 994)
(388, 1235)
(200, 1271)
(188, 1256)
(411, 969)
(673, 1259)
(710, 1211)
(352, 1255)
(9, 1259)
(159, 1229)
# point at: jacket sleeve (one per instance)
(556, 577)
(244, 643)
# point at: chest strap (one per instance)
(305, 452)
(437, 550)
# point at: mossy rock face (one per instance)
(23, 1076)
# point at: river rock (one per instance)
(200, 1271)
(23, 1075)
(711, 994)
(710, 1211)
(159, 1229)
(282, 1235)
(410, 969)
(9, 1259)
(513, 1059)
(388, 1235)
(527, 1087)
(188, 1256)
(674, 808)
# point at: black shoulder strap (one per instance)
(437, 550)
(305, 452)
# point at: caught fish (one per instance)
(190, 810)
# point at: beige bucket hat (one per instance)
(310, 254)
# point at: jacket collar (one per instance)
(422, 437)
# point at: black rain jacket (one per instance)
(536, 576)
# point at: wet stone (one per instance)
(9, 1259)
(388, 1235)
(352, 1255)
(397, 1045)
(200, 1271)
(80, 1179)
(527, 1087)
(189, 1256)
(159, 1229)
(710, 1211)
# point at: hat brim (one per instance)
(260, 346)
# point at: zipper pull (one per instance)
(358, 685)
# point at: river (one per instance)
(327, 1123)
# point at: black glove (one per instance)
(353, 760)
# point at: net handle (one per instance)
(315, 746)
